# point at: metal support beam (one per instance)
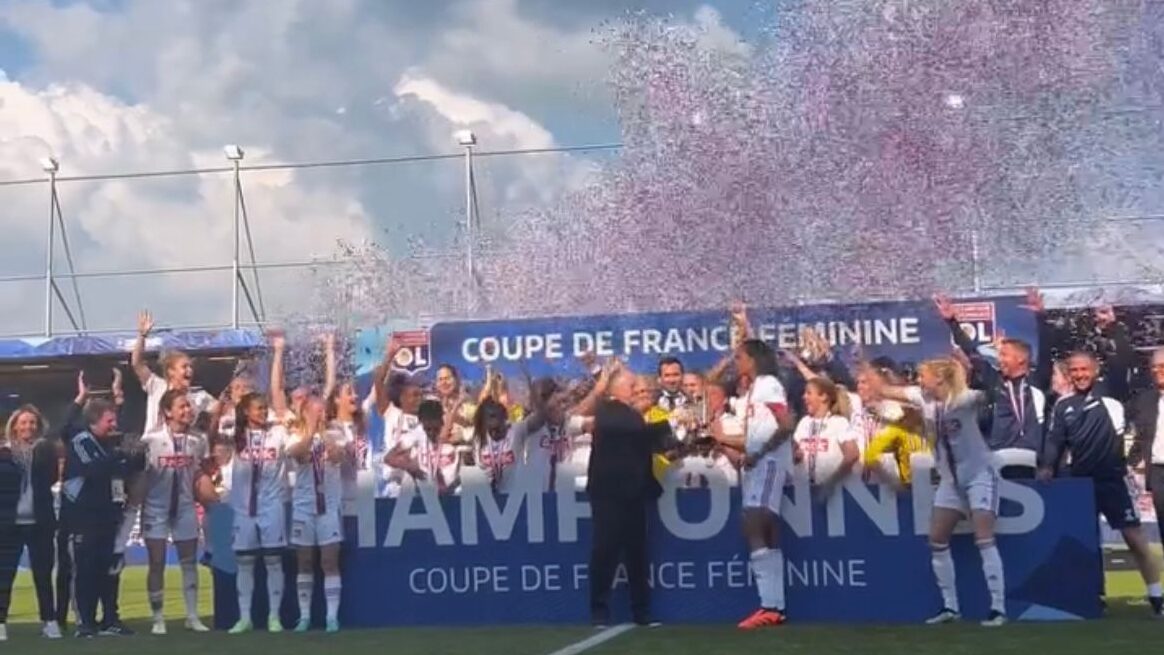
(235, 277)
(50, 244)
(470, 231)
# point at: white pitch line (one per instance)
(594, 640)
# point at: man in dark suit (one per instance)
(1145, 414)
(621, 485)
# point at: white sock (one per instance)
(245, 582)
(190, 587)
(128, 521)
(304, 584)
(157, 599)
(776, 576)
(992, 568)
(944, 573)
(1154, 590)
(274, 582)
(769, 577)
(332, 585)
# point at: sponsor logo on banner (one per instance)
(977, 320)
(415, 352)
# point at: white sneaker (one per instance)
(3, 632)
(995, 619)
(159, 627)
(194, 624)
(947, 615)
(51, 630)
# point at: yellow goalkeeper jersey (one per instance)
(660, 464)
(899, 442)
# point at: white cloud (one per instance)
(163, 85)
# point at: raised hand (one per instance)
(1035, 301)
(82, 388)
(277, 339)
(145, 323)
(944, 307)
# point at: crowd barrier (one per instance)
(862, 556)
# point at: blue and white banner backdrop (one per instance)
(481, 559)
(907, 331)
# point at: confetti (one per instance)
(855, 150)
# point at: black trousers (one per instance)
(38, 539)
(92, 560)
(1154, 475)
(64, 581)
(620, 535)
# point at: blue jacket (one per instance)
(1011, 400)
(1090, 427)
(91, 468)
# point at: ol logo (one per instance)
(415, 351)
(978, 320)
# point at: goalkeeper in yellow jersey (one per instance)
(900, 440)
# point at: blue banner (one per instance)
(907, 331)
(119, 344)
(863, 556)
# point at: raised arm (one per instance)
(380, 375)
(145, 324)
(587, 405)
(329, 364)
(278, 392)
(73, 423)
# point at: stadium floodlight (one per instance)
(465, 137)
(50, 165)
(955, 101)
(233, 152)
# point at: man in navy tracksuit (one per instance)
(93, 467)
(1090, 427)
(1017, 404)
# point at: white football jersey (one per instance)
(952, 427)
(760, 422)
(499, 458)
(439, 461)
(156, 387)
(259, 472)
(171, 460)
(819, 441)
(318, 480)
(545, 452)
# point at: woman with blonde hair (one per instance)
(968, 484)
(35, 521)
(320, 453)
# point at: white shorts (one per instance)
(265, 531)
(183, 527)
(763, 485)
(316, 529)
(978, 494)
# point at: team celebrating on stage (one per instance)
(284, 463)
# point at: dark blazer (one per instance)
(10, 481)
(1142, 413)
(621, 455)
(45, 473)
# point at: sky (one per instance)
(111, 86)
